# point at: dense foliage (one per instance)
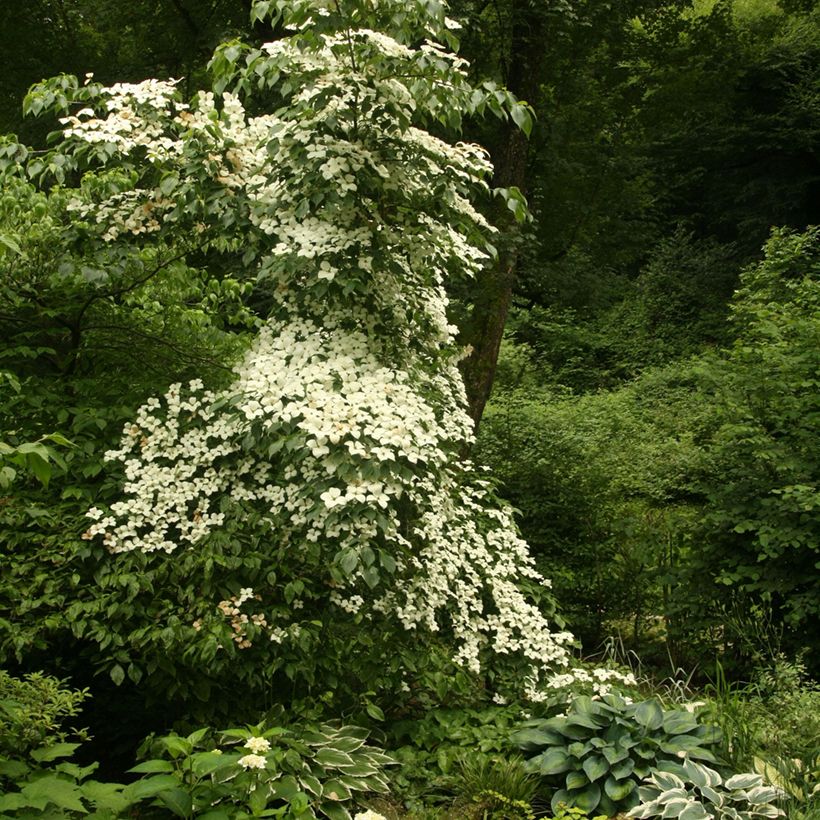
(253, 301)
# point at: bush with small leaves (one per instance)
(272, 772)
(595, 756)
(565, 812)
(32, 709)
(696, 792)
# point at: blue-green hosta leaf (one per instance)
(617, 790)
(623, 769)
(614, 755)
(649, 714)
(583, 722)
(702, 754)
(582, 705)
(595, 767)
(587, 799)
(536, 738)
(579, 749)
(554, 761)
(679, 722)
(561, 796)
(576, 780)
(681, 743)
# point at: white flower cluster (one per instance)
(257, 745)
(252, 762)
(344, 426)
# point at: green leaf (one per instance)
(522, 118)
(335, 790)
(694, 811)
(108, 796)
(333, 758)
(47, 753)
(761, 794)
(554, 761)
(13, 769)
(535, 738)
(614, 755)
(178, 801)
(595, 767)
(334, 811)
(152, 767)
(117, 674)
(205, 763)
(679, 722)
(588, 798)
(617, 790)
(623, 769)
(743, 781)
(649, 714)
(151, 786)
(576, 780)
(55, 790)
(374, 711)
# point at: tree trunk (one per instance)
(494, 286)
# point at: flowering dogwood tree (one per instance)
(338, 447)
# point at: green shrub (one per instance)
(432, 747)
(501, 789)
(594, 756)
(281, 772)
(32, 711)
(46, 785)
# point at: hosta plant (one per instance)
(596, 754)
(696, 792)
(271, 772)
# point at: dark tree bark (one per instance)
(494, 288)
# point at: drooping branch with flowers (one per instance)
(342, 435)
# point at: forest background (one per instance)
(653, 415)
